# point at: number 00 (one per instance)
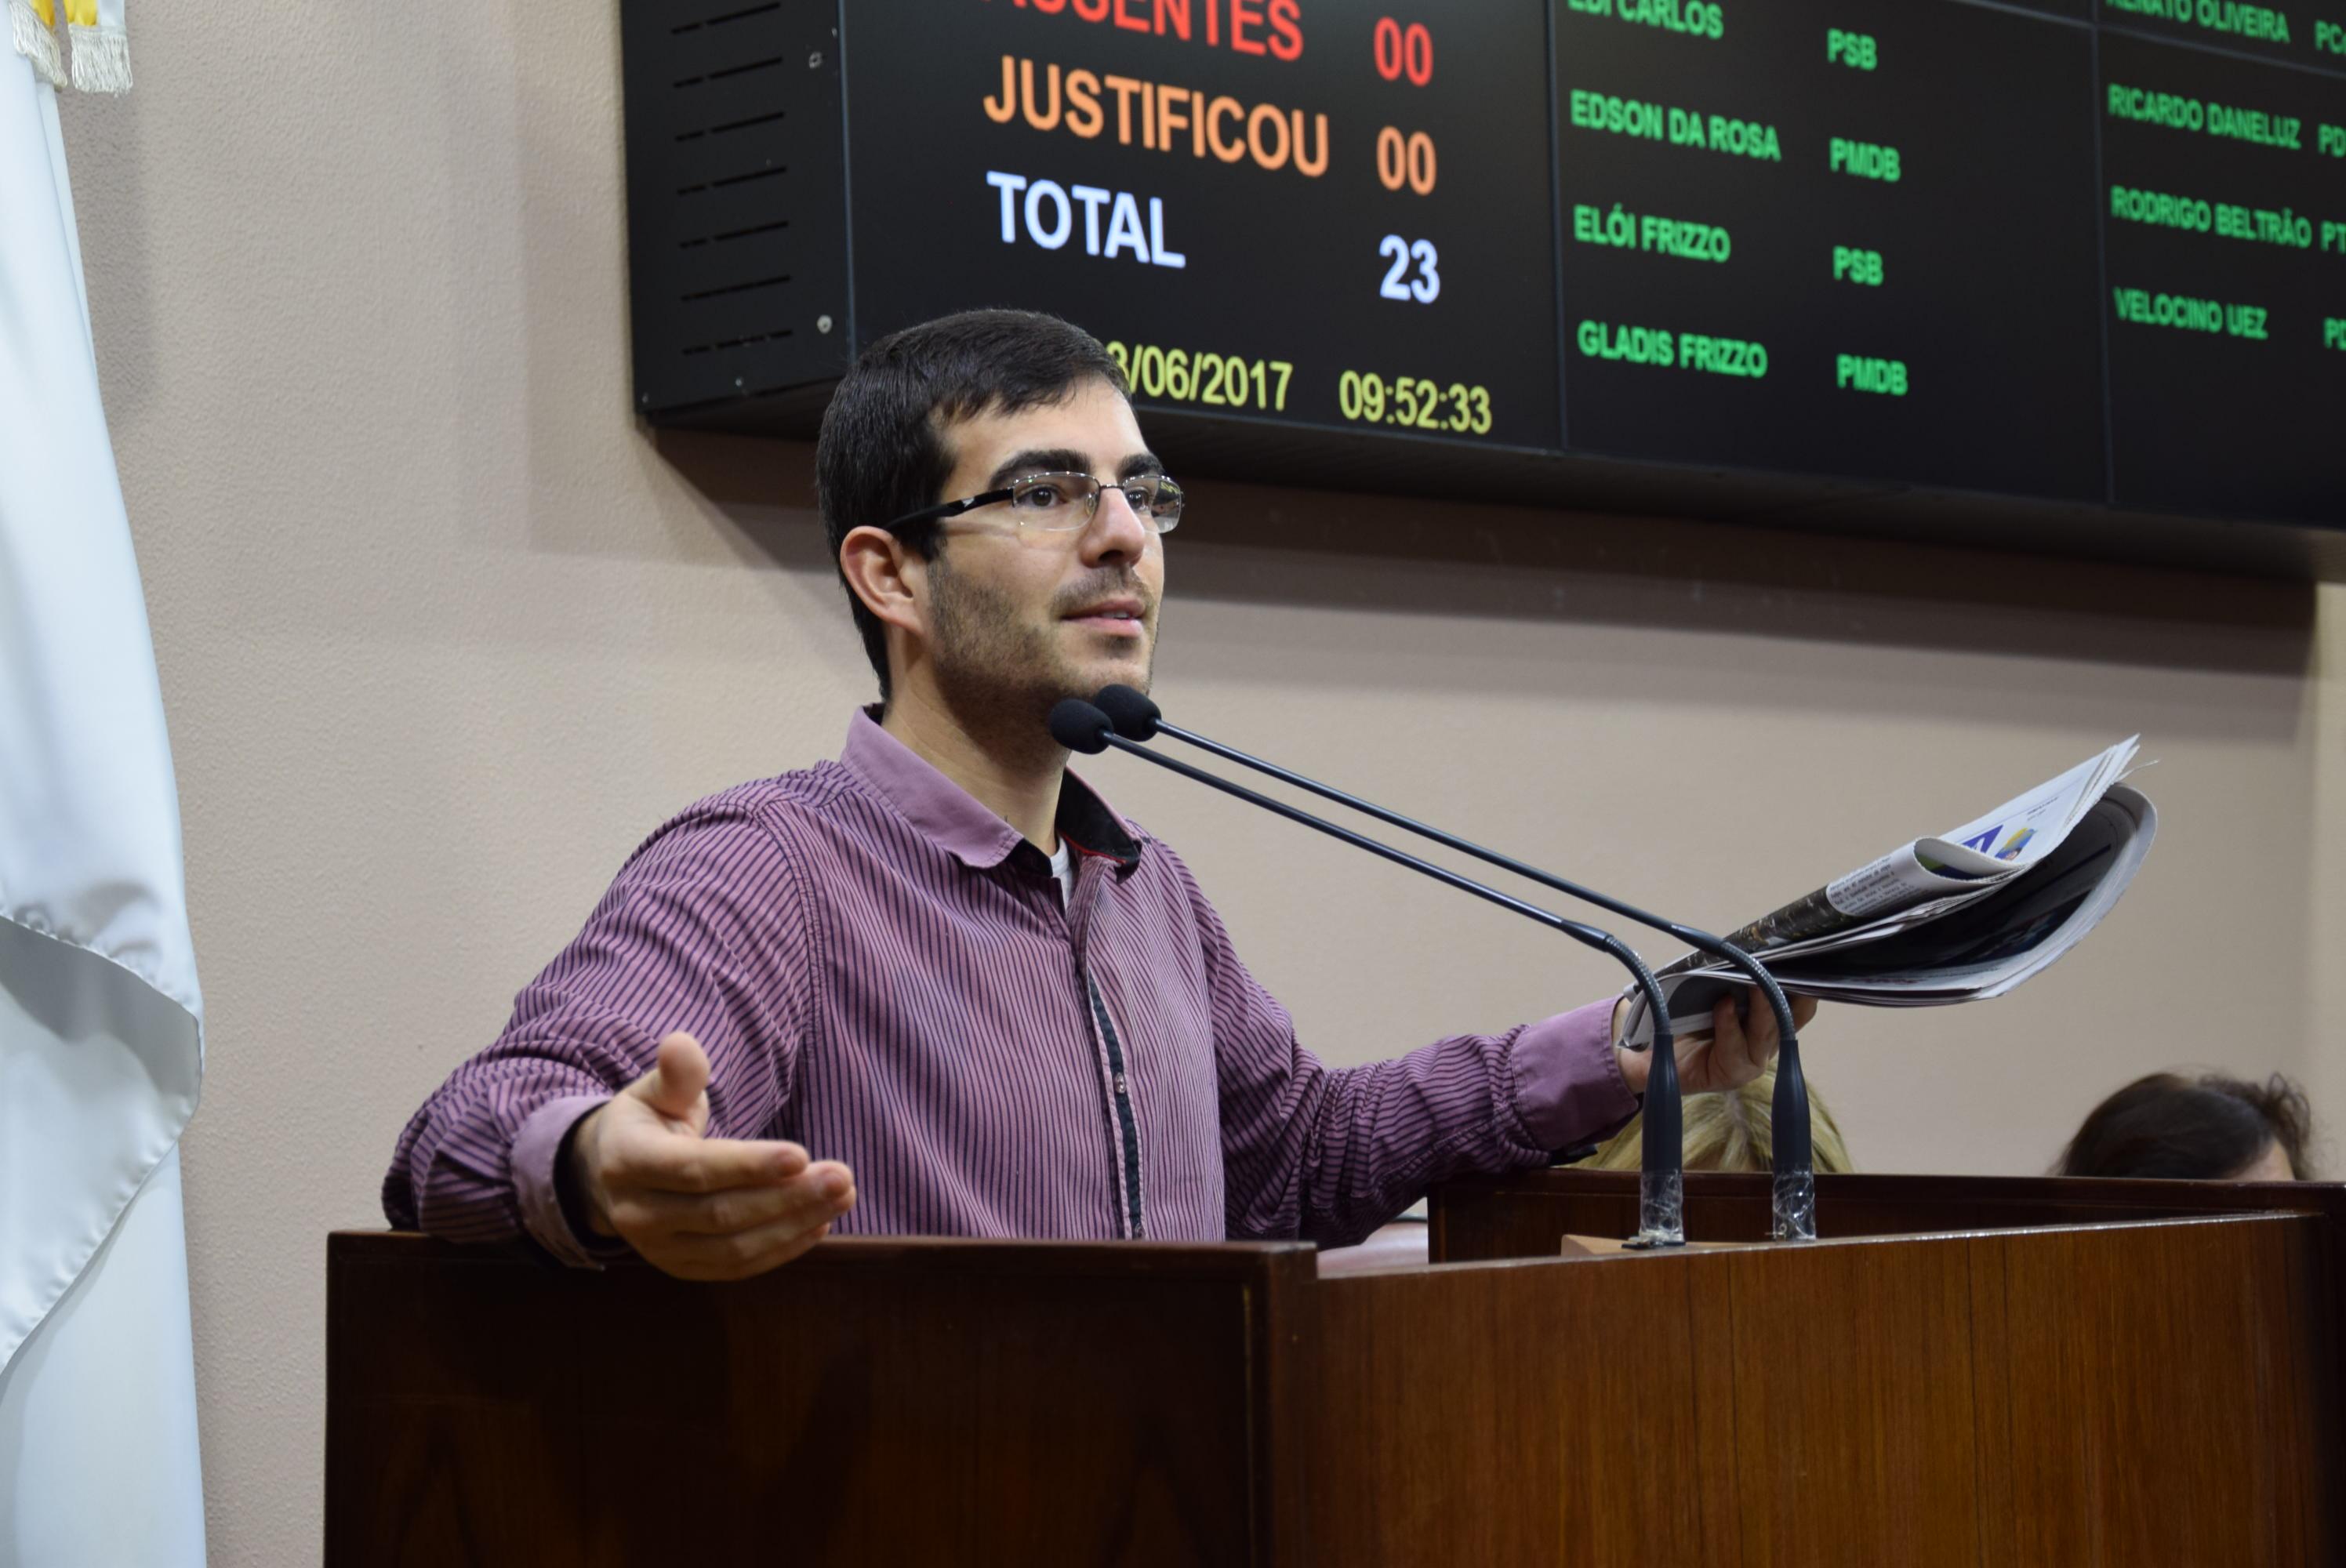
(1405, 52)
(1405, 160)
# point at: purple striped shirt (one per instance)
(879, 969)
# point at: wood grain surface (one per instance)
(2122, 1395)
(2148, 1392)
(874, 1402)
(2226, 1336)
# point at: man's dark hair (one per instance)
(882, 451)
(2196, 1129)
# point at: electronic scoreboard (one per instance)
(2087, 254)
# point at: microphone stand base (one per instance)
(1661, 1204)
(1795, 1217)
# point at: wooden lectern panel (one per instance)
(2118, 1395)
(2104, 1395)
(1525, 1214)
(1853, 1414)
(962, 1402)
(2158, 1392)
(1477, 1416)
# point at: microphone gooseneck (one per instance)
(1082, 726)
(1137, 717)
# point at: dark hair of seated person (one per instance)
(2210, 1128)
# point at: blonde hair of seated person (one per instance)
(1730, 1130)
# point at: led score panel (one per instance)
(1901, 253)
(2224, 184)
(1299, 211)
(2092, 258)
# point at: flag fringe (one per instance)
(101, 59)
(36, 42)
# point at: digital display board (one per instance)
(1283, 209)
(2225, 264)
(1894, 274)
(2080, 253)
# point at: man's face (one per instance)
(1020, 617)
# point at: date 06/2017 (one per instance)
(1212, 380)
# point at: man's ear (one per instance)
(881, 572)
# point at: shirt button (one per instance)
(1119, 1082)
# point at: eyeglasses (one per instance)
(1064, 502)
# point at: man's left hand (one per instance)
(1739, 1045)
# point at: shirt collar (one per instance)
(953, 819)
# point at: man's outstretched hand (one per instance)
(696, 1206)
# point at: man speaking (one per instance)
(939, 986)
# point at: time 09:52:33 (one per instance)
(1414, 403)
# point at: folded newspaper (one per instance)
(1968, 914)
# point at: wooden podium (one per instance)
(1963, 1371)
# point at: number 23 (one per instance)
(1399, 285)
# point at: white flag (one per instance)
(100, 1019)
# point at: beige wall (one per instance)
(443, 634)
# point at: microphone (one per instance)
(1794, 1206)
(1080, 727)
